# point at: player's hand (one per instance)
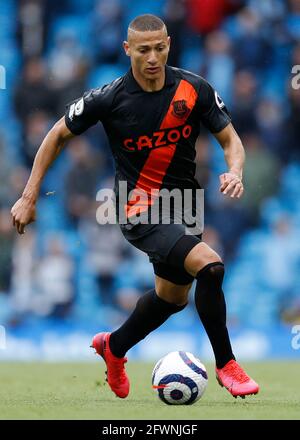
(23, 212)
(231, 184)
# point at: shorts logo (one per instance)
(180, 109)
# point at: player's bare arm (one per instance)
(23, 211)
(231, 182)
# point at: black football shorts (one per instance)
(166, 245)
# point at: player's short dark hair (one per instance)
(146, 22)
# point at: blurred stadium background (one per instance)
(69, 277)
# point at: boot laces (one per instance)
(237, 373)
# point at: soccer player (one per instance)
(151, 116)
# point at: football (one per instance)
(179, 378)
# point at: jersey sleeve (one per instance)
(86, 111)
(212, 110)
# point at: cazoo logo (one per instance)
(2, 77)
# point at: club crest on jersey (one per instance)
(180, 108)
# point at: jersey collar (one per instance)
(132, 86)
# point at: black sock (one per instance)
(150, 312)
(211, 307)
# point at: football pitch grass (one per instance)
(79, 391)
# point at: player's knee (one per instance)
(199, 257)
(213, 272)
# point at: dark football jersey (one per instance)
(152, 135)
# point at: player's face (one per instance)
(148, 52)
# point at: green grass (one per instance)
(79, 391)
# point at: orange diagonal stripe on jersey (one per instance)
(159, 159)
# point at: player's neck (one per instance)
(150, 85)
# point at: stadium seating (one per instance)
(253, 299)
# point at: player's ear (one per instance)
(126, 48)
(169, 41)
